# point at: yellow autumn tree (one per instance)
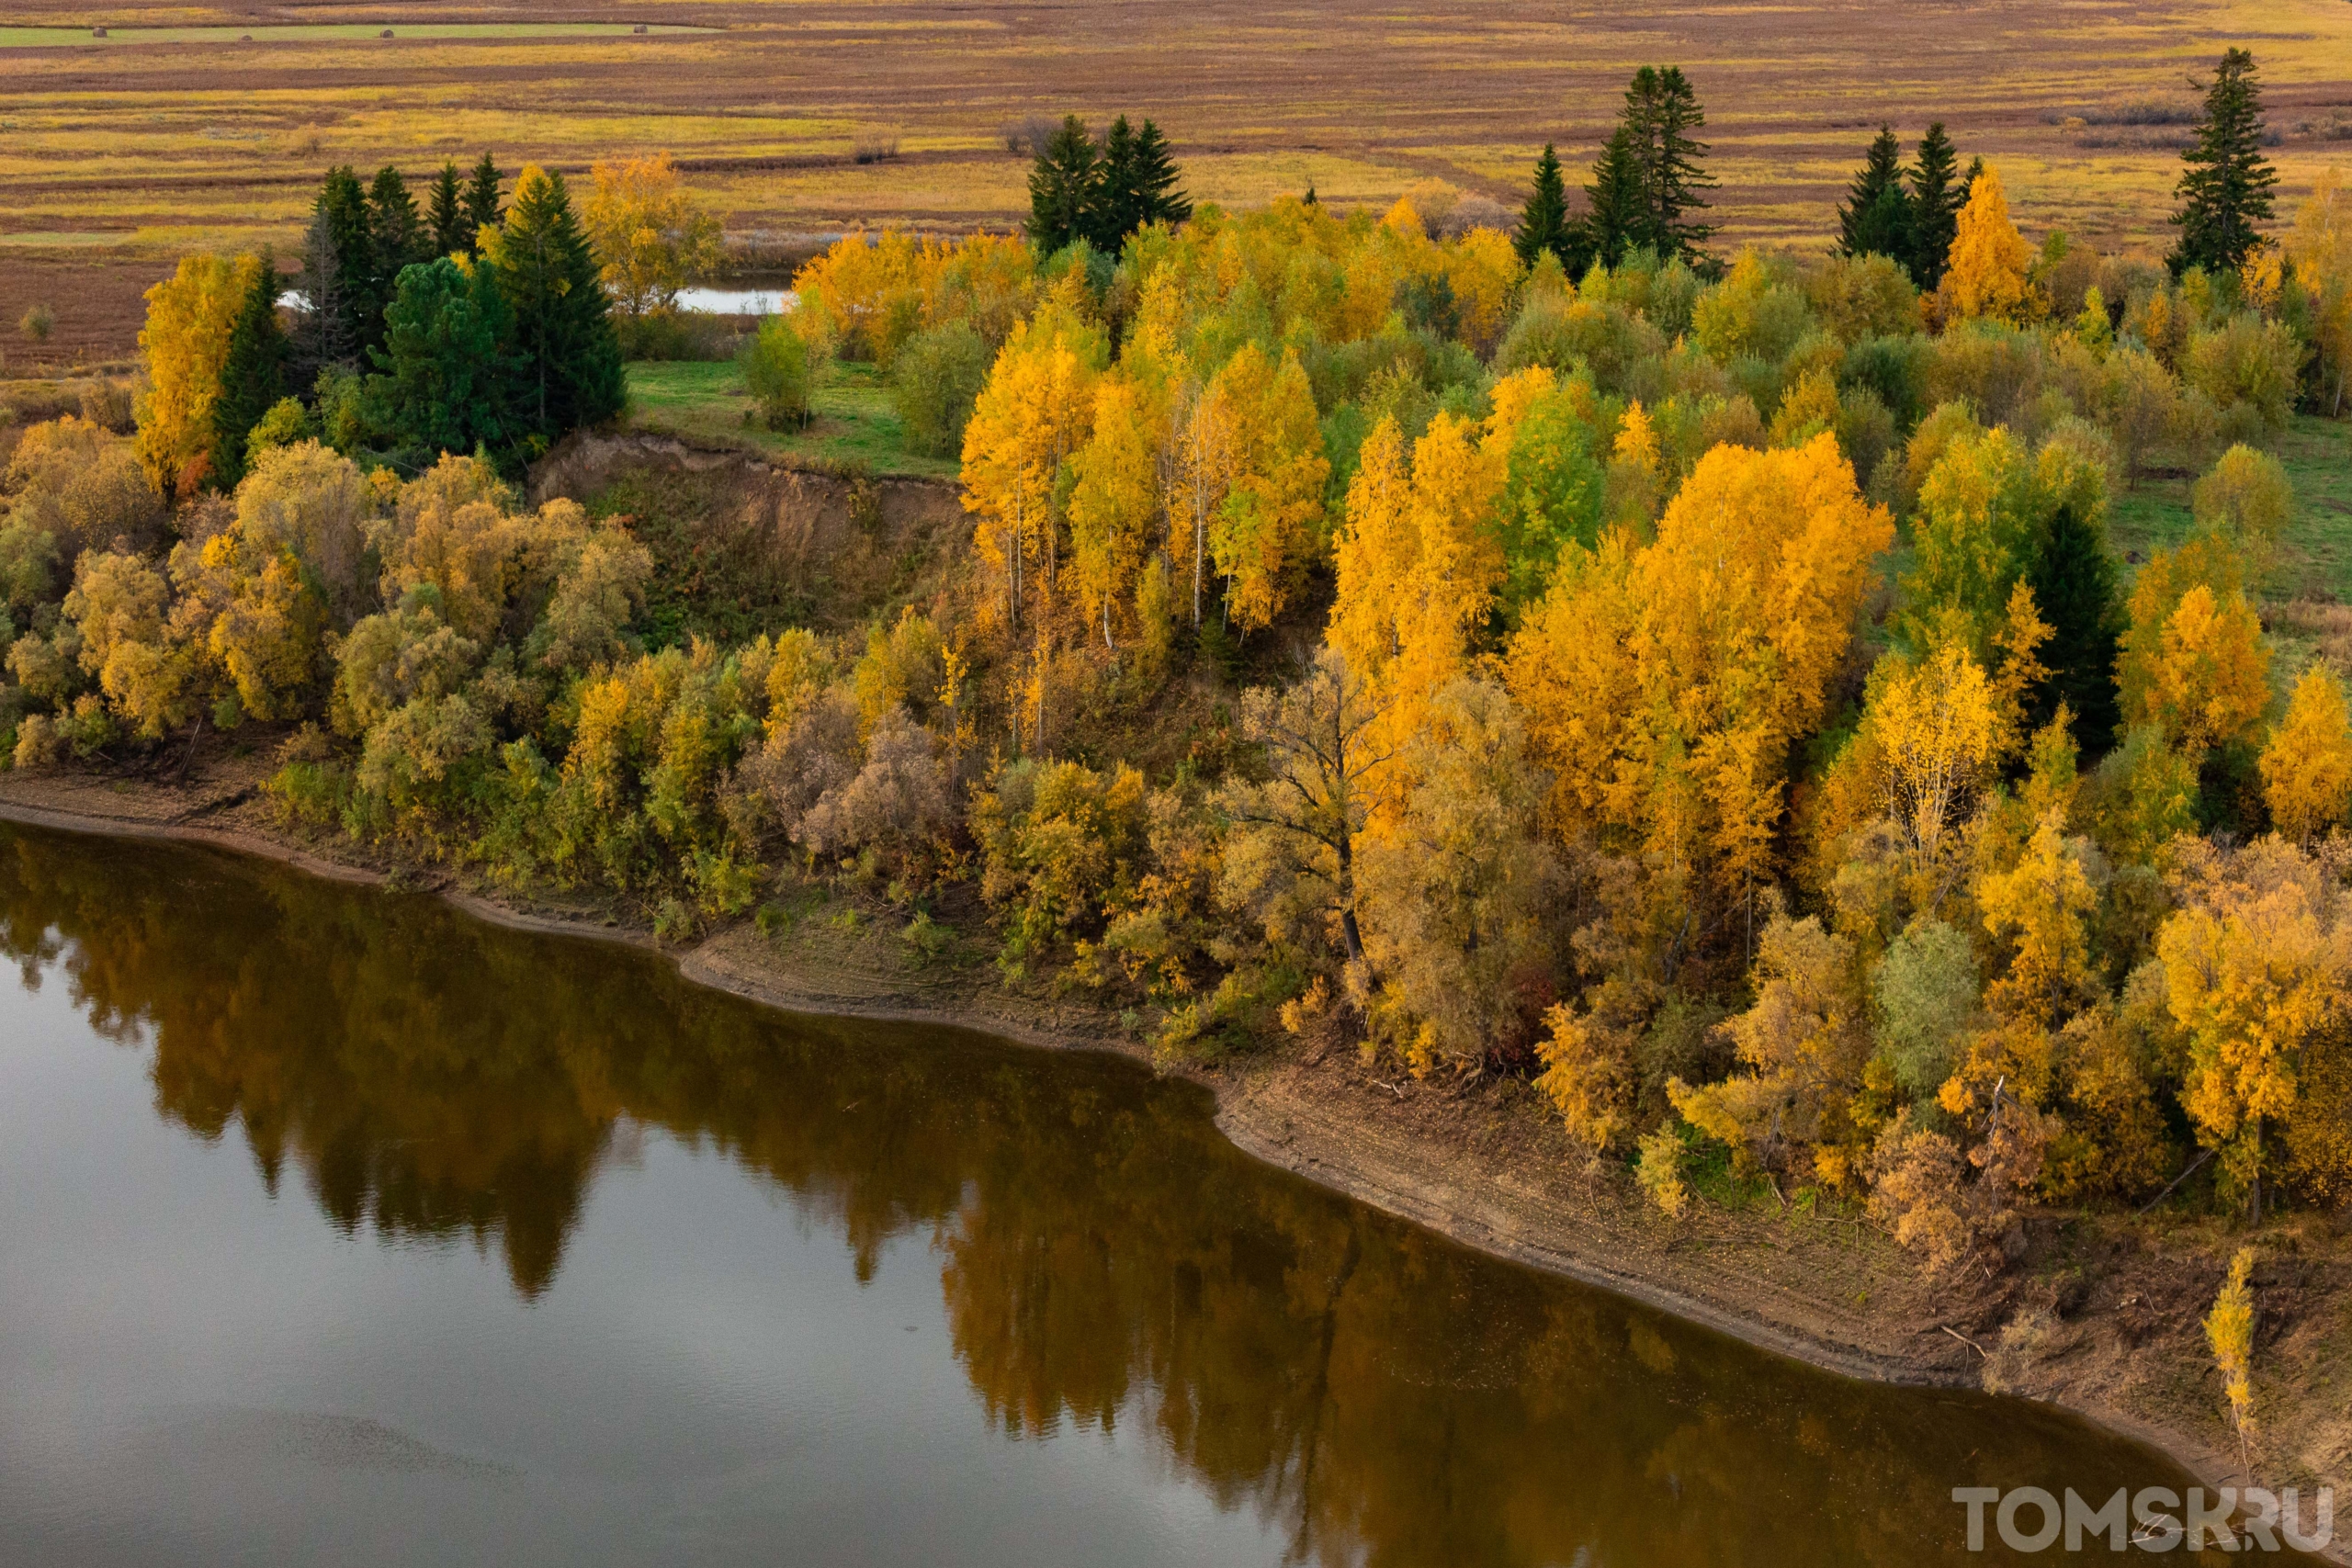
(648, 235)
(1262, 535)
(2258, 968)
(1988, 273)
(1032, 416)
(2039, 909)
(1115, 498)
(2307, 767)
(1663, 684)
(184, 344)
(2208, 681)
(1419, 563)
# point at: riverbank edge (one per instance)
(1336, 1164)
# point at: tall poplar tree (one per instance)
(1876, 218)
(1062, 188)
(445, 215)
(2225, 189)
(566, 359)
(252, 376)
(1544, 222)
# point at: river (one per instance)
(337, 1227)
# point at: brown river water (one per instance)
(339, 1227)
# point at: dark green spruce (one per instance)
(253, 376)
(2226, 191)
(1876, 217)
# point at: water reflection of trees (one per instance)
(1108, 1261)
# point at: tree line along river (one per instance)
(336, 1226)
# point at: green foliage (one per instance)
(934, 380)
(2225, 187)
(779, 370)
(445, 383)
(1926, 993)
(567, 361)
(252, 377)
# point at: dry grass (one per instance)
(115, 155)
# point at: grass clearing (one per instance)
(855, 427)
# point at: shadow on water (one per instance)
(1369, 1391)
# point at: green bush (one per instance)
(934, 378)
(779, 371)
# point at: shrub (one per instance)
(934, 380)
(779, 371)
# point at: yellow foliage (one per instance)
(184, 344)
(2307, 767)
(1034, 412)
(2229, 1332)
(2041, 903)
(1115, 499)
(2258, 969)
(1263, 535)
(1663, 684)
(649, 238)
(2211, 680)
(1990, 260)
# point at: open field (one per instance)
(854, 423)
(116, 154)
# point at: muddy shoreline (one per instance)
(1342, 1128)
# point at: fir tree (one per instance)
(1118, 207)
(444, 385)
(1936, 200)
(446, 215)
(1310, 193)
(565, 360)
(2073, 579)
(1613, 205)
(1876, 218)
(2225, 189)
(252, 376)
(1062, 185)
(342, 284)
(1661, 110)
(392, 221)
(1543, 223)
(483, 210)
(1164, 200)
(324, 338)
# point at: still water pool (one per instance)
(337, 1226)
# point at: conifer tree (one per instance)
(2073, 579)
(1613, 207)
(392, 220)
(1163, 200)
(445, 214)
(2225, 189)
(1661, 111)
(1876, 219)
(1117, 210)
(1062, 188)
(483, 210)
(444, 385)
(252, 377)
(1544, 222)
(341, 269)
(1937, 195)
(566, 359)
